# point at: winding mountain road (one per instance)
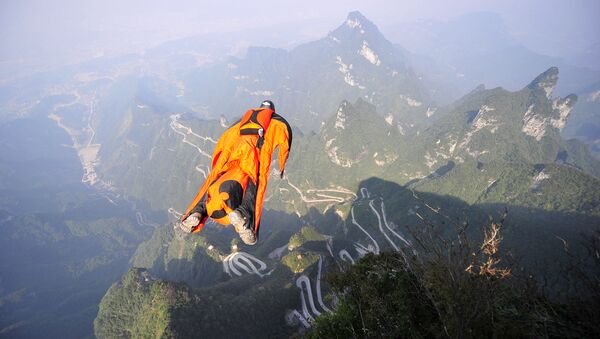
(319, 299)
(185, 131)
(345, 256)
(381, 226)
(237, 261)
(306, 295)
(376, 249)
(321, 197)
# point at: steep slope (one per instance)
(325, 168)
(141, 306)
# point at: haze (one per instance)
(405, 116)
(40, 34)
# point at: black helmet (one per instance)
(268, 104)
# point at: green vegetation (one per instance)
(141, 307)
(557, 188)
(55, 271)
(184, 258)
(298, 261)
(306, 234)
(453, 289)
(146, 311)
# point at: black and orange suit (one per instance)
(240, 166)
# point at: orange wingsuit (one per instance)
(243, 156)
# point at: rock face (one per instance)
(545, 82)
(536, 121)
(493, 125)
(358, 135)
(536, 125)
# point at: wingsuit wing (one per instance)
(219, 159)
(279, 134)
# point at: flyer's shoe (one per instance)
(240, 224)
(189, 223)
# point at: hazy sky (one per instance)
(549, 27)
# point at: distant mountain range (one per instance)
(585, 123)
(478, 49)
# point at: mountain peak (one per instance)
(357, 32)
(356, 16)
(359, 23)
(545, 81)
(364, 106)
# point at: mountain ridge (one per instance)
(351, 61)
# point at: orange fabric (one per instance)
(237, 154)
(217, 200)
(263, 118)
(276, 135)
(220, 156)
